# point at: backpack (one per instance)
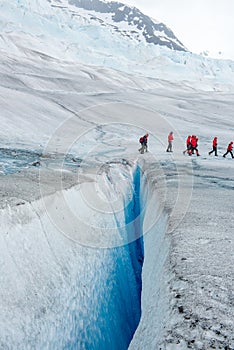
(141, 140)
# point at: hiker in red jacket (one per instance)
(215, 143)
(194, 140)
(170, 138)
(229, 150)
(188, 144)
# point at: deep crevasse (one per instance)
(57, 294)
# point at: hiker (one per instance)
(194, 145)
(170, 139)
(143, 141)
(215, 143)
(188, 144)
(229, 150)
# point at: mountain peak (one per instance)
(126, 20)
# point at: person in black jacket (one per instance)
(144, 143)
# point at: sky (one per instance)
(201, 25)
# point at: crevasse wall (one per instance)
(155, 273)
(58, 294)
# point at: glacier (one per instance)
(102, 247)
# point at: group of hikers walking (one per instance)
(191, 144)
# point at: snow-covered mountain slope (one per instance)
(39, 30)
(118, 17)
